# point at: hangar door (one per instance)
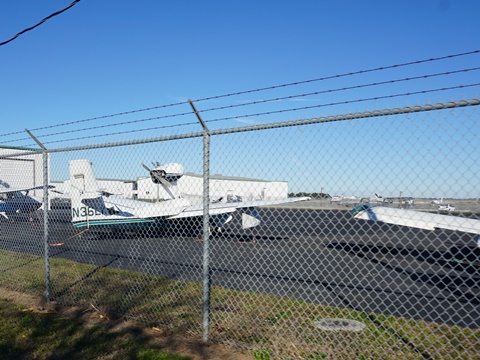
(15, 173)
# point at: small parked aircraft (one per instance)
(345, 200)
(94, 207)
(336, 199)
(437, 202)
(417, 219)
(377, 199)
(17, 201)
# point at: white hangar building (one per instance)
(226, 188)
(190, 186)
(21, 171)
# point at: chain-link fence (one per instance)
(247, 236)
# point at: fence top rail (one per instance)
(310, 121)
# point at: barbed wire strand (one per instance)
(346, 102)
(382, 68)
(387, 82)
(270, 112)
(355, 87)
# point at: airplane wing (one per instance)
(257, 203)
(12, 190)
(250, 216)
(113, 208)
(197, 210)
(416, 219)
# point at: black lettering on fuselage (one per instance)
(84, 211)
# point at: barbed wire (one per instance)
(365, 71)
(354, 87)
(112, 125)
(116, 133)
(98, 118)
(346, 102)
(387, 82)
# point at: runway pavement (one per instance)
(320, 256)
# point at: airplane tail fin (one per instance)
(83, 189)
(82, 179)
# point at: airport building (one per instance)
(222, 188)
(190, 185)
(21, 171)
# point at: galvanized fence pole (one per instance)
(206, 226)
(45, 216)
(45, 226)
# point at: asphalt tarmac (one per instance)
(319, 256)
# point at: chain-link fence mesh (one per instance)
(282, 278)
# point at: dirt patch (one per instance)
(89, 316)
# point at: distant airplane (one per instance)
(437, 201)
(417, 219)
(94, 207)
(377, 199)
(336, 199)
(408, 201)
(343, 198)
(17, 201)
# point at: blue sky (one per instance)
(105, 57)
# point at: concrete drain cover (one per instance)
(339, 325)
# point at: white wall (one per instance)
(21, 171)
(189, 184)
(124, 188)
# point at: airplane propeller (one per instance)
(158, 176)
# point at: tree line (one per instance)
(312, 195)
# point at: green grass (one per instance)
(27, 334)
(266, 325)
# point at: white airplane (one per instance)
(336, 199)
(437, 201)
(342, 198)
(446, 207)
(377, 199)
(94, 207)
(417, 219)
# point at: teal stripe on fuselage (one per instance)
(114, 223)
(183, 226)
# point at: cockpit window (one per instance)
(11, 195)
(18, 195)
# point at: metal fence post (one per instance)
(206, 226)
(45, 226)
(45, 216)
